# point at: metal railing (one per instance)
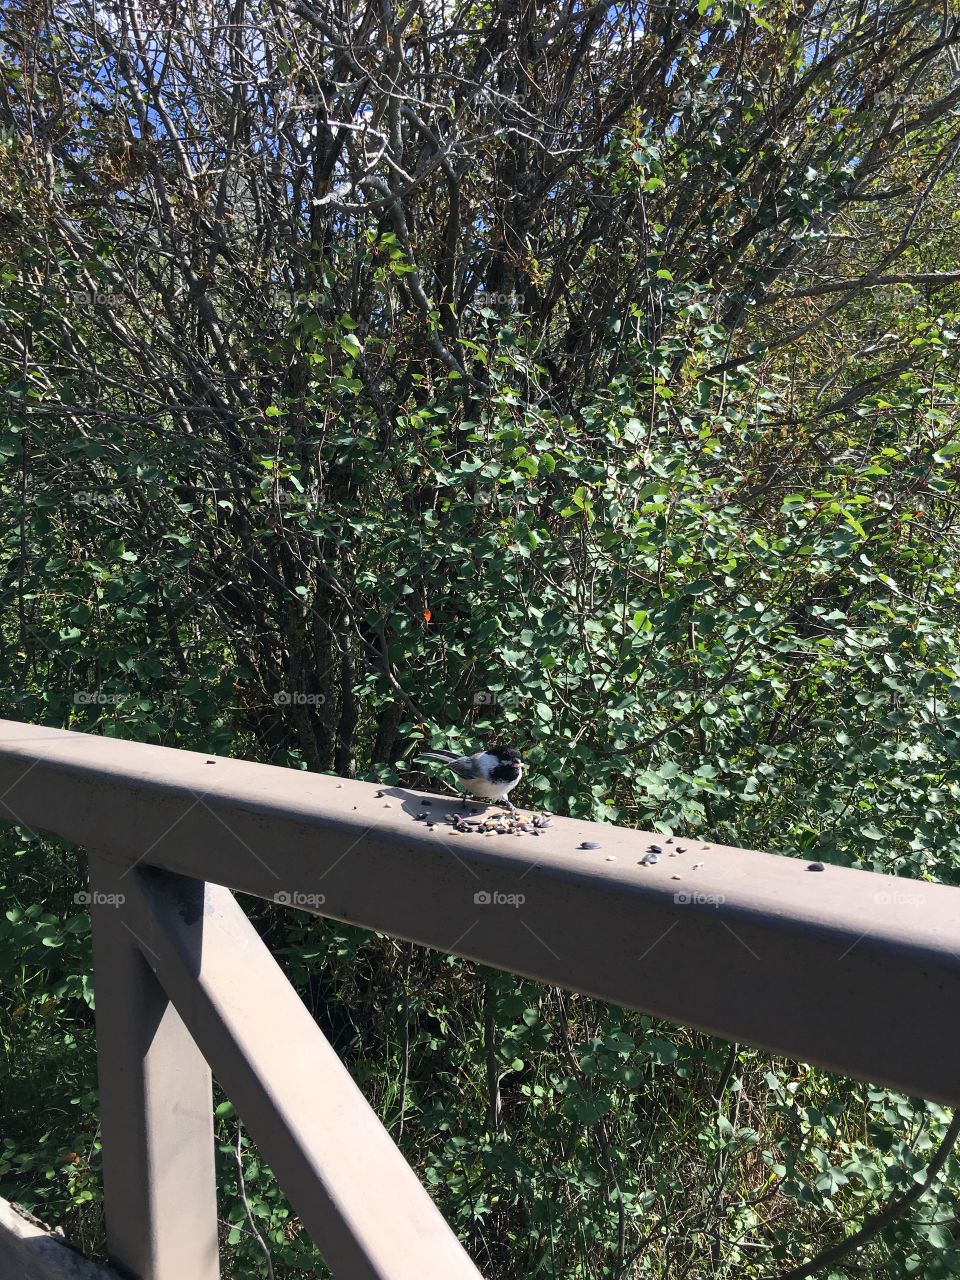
(855, 972)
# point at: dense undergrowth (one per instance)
(587, 377)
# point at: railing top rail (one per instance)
(854, 971)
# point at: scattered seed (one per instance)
(610, 858)
(378, 795)
(675, 877)
(339, 784)
(388, 805)
(417, 817)
(655, 848)
(697, 866)
(681, 848)
(426, 803)
(649, 860)
(211, 762)
(489, 833)
(816, 866)
(589, 844)
(431, 825)
(669, 840)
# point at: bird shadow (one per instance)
(439, 809)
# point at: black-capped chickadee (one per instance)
(486, 775)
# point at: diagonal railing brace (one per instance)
(356, 1195)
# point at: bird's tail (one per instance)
(445, 756)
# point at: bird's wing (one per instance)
(463, 766)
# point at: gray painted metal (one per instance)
(29, 1250)
(857, 972)
(156, 1107)
(362, 1204)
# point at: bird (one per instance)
(486, 775)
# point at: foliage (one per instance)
(380, 377)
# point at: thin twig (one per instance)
(246, 1206)
(894, 1210)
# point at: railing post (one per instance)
(156, 1106)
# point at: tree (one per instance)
(265, 248)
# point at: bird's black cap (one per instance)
(504, 753)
